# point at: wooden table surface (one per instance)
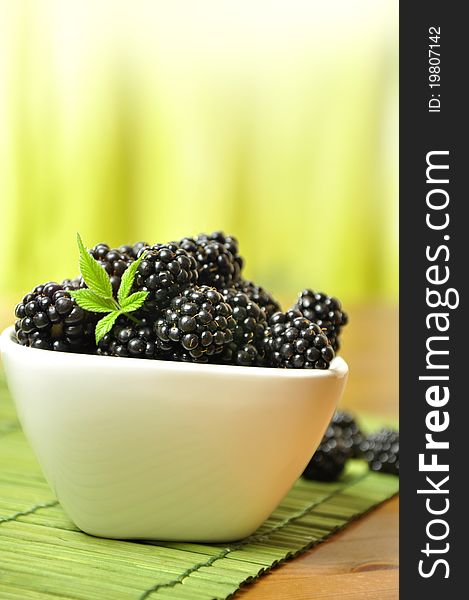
(360, 563)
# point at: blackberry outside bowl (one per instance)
(166, 450)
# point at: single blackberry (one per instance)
(50, 319)
(351, 432)
(218, 262)
(165, 272)
(113, 261)
(196, 326)
(324, 310)
(260, 296)
(381, 451)
(129, 339)
(294, 342)
(247, 347)
(330, 458)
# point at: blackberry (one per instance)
(260, 296)
(381, 451)
(294, 342)
(350, 431)
(218, 262)
(197, 325)
(330, 458)
(165, 272)
(113, 261)
(129, 339)
(50, 319)
(247, 347)
(324, 310)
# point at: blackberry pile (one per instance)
(50, 319)
(196, 327)
(218, 262)
(381, 451)
(165, 272)
(294, 342)
(325, 311)
(192, 303)
(247, 348)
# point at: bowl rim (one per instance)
(9, 346)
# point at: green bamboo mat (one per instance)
(43, 555)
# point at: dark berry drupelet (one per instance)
(260, 296)
(381, 451)
(351, 432)
(73, 284)
(294, 342)
(247, 348)
(50, 319)
(130, 339)
(132, 252)
(325, 311)
(218, 262)
(197, 325)
(113, 261)
(330, 458)
(165, 272)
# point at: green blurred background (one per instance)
(274, 121)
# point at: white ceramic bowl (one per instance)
(167, 450)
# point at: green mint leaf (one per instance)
(133, 302)
(128, 279)
(90, 301)
(93, 273)
(105, 325)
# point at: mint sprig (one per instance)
(98, 296)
